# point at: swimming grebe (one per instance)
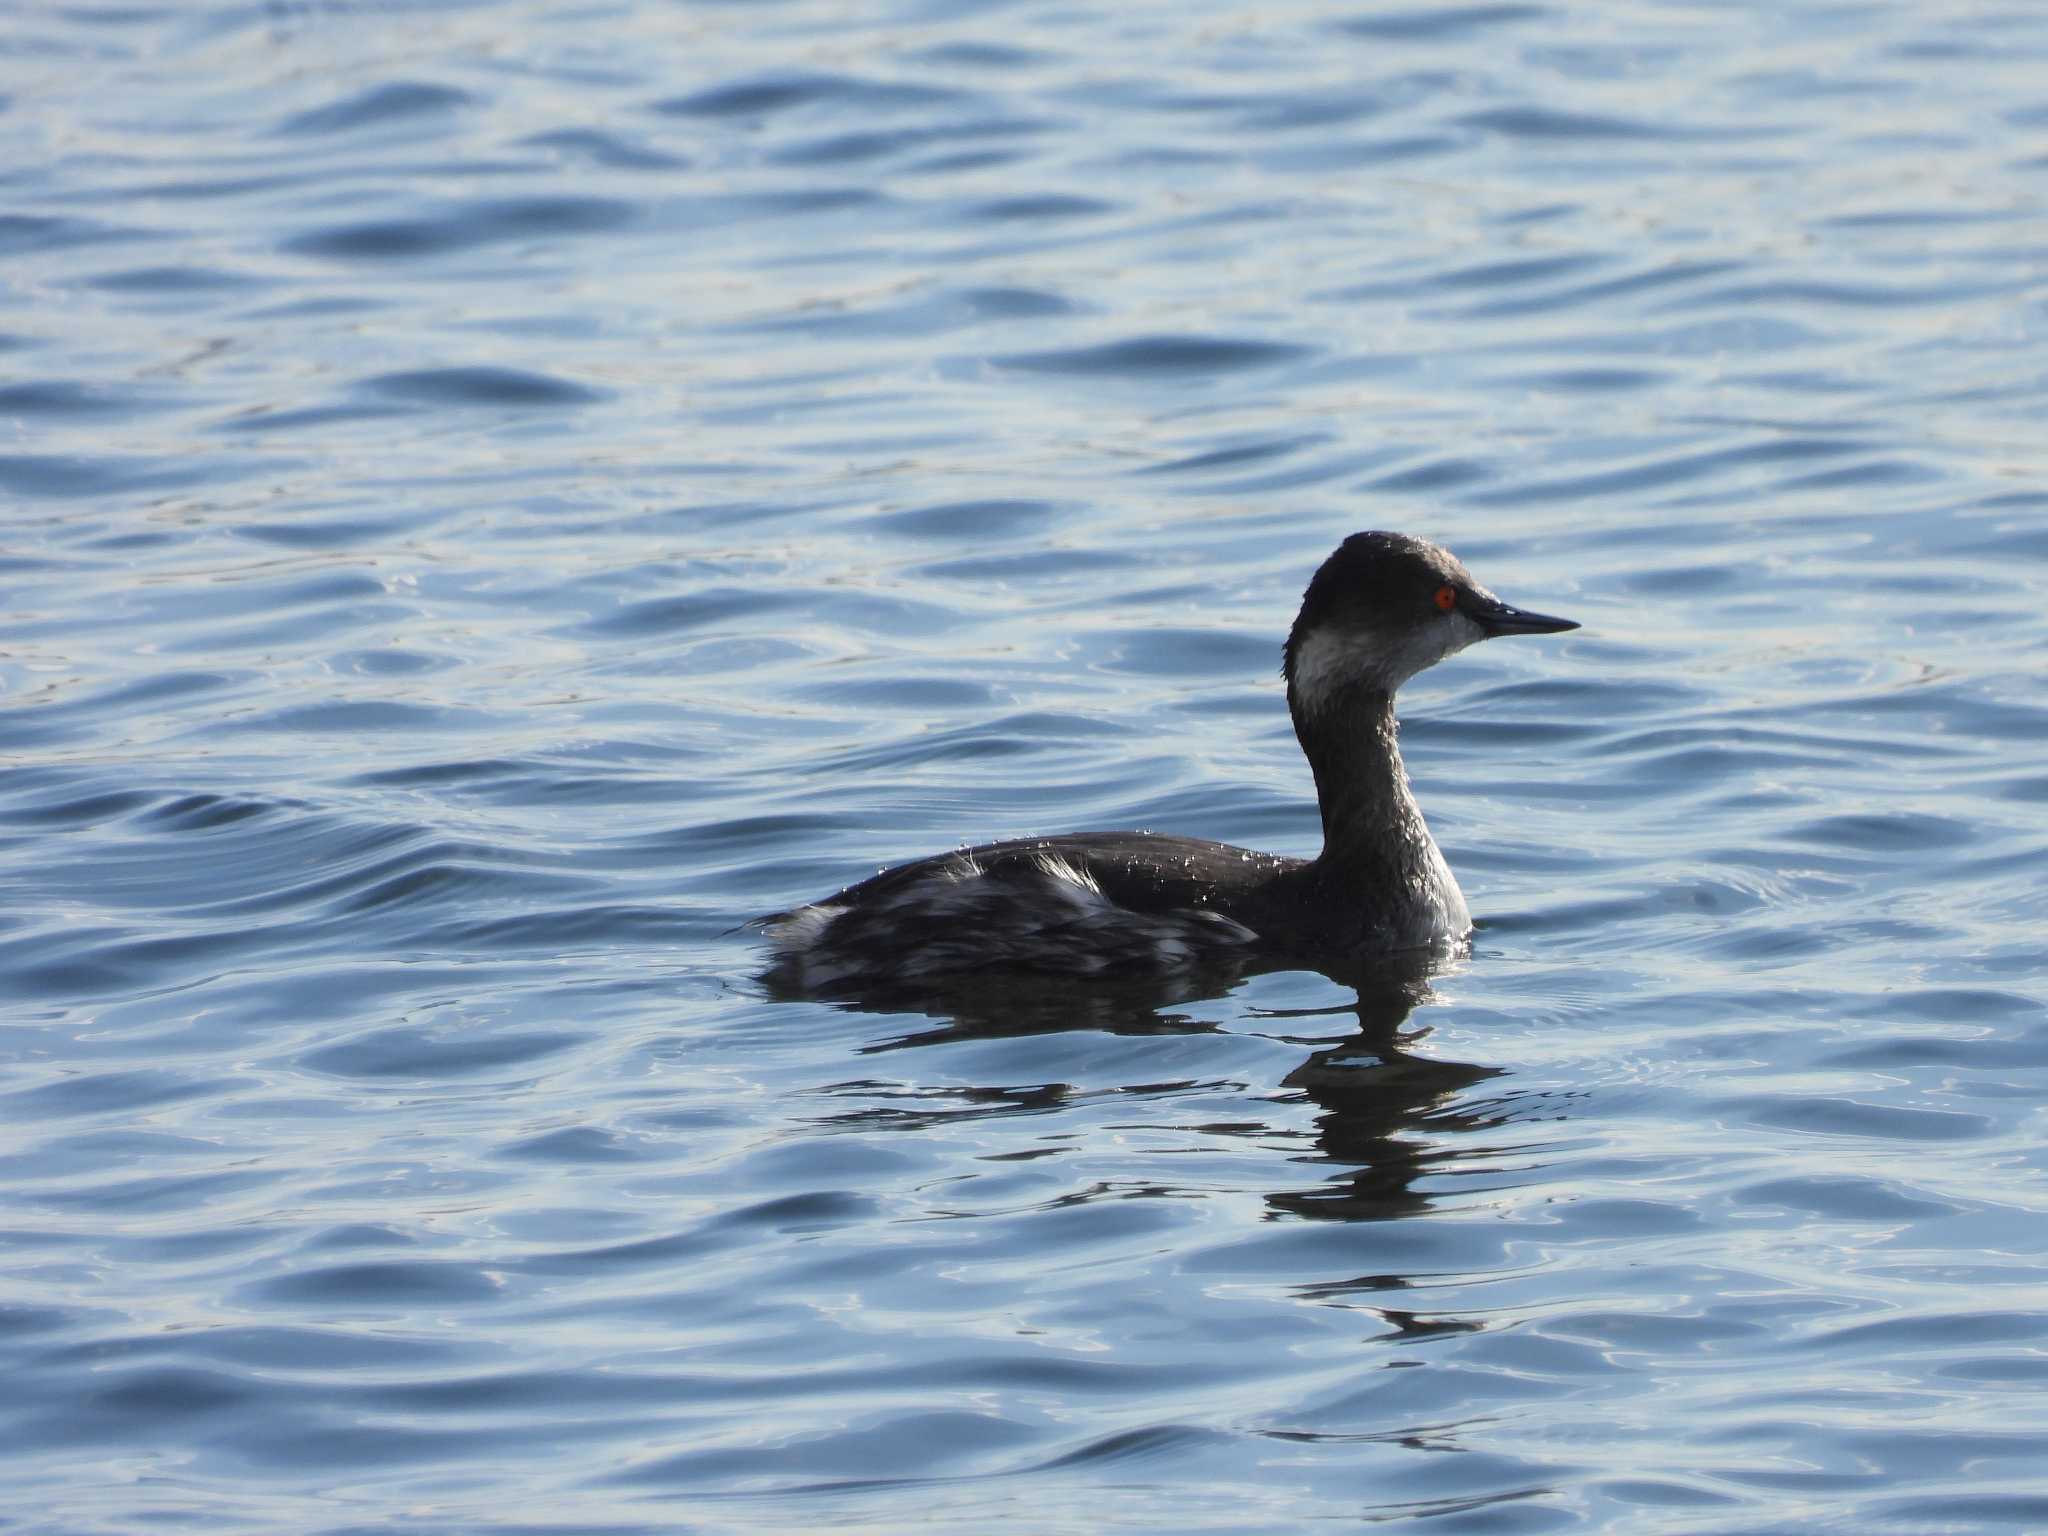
(1378, 611)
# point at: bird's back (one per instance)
(1101, 903)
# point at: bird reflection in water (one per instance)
(1385, 1116)
(1383, 1110)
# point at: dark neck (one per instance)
(1372, 827)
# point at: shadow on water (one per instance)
(1382, 1111)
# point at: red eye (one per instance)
(1447, 597)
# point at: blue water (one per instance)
(495, 495)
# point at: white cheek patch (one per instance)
(1328, 662)
(1324, 663)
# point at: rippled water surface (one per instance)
(496, 495)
